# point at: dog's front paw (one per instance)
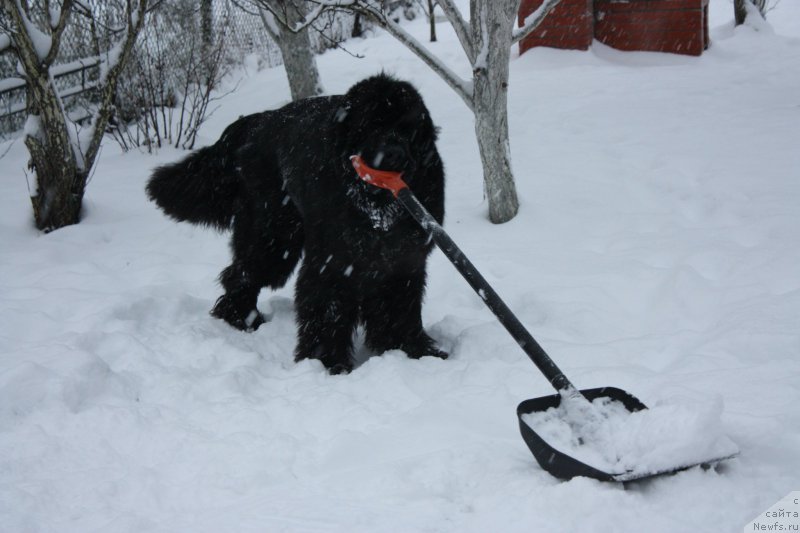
(432, 352)
(424, 346)
(254, 320)
(339, 368)
(441, 354)
(334, 364)
(227, 311)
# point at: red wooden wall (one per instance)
(675, 26)
(569, 25)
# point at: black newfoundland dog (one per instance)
(283, 181)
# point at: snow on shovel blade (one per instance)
(564, 454)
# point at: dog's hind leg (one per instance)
(267, 243)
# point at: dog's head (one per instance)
(384, 121)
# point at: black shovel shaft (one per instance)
(485, 291)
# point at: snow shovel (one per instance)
(555, 462)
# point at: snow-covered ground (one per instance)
(657, 250)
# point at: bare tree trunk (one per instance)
(58, 190)
(300, 64)
(358, 30)
(206, 33)
(60, 163)
(57, 194)
(492, 22)
(431, 20)
(298, 57)
(739, 11)
(207, 24)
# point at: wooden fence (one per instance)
(72, 80)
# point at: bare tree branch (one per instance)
(320, 7)
(82, 5)
(57, 30)
(117, 57)
(28, 40)
(460, 26)
(461, 87)
(533, 20)
(372, 11)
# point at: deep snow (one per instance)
(657, 250)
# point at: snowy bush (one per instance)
(169, 82)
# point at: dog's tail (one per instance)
(204, 188)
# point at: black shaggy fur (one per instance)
(282, 180)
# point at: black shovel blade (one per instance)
(562, 465)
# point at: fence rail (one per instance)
(12, 92)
